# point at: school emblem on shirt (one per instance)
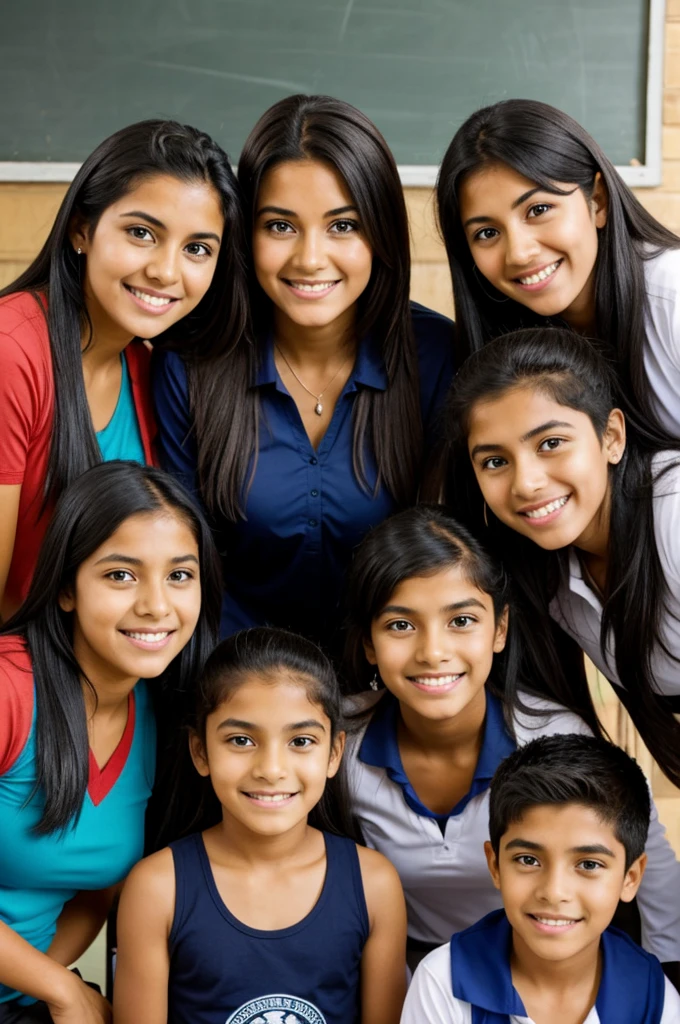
(277, 1009)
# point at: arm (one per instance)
(79, 924)
(69, 1000)
(430, 996)
(145, 916)
(10, 495)
(383, 964)
(659, 896)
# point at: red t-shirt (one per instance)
(26, 417)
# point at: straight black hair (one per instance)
(573, 373)
(224, 402)
(547, 146)
(91, 509)
(572, 769)
(268, 654)
(117, 166)
(422, 541)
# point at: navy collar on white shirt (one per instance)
(631, 989)
(380, 748)
(369, 367)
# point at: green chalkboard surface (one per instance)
(73, 71)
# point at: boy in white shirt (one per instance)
(568, 824)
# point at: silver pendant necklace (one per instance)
(318, 408)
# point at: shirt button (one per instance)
(313, 522)
(313, 461)
(314, 493)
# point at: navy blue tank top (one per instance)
(223, 972)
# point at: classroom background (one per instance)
(28, 207)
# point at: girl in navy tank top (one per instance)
(269, 916)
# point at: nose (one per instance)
(529, 477)
(434, 646)
(552, 886)
(310, 252)
(152, 600)
(162, 266)
(522, 247)
(270, 763)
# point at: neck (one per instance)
(579, 973)
(463, 733)
(316, 346)
(593, 544)
(252, 848)
(106, 700)
(102, 346)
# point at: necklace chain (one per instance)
(318, 408)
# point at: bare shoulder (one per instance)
(152, 882)
(377, 872)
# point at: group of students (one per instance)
(255, 337)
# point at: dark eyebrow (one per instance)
(341, 209)
(399, 609)
(518, 202)
(524, 844)
(485, 448)
(129, 560)
(239, 723)
(159, 224)
(276, 209)
(593, 848)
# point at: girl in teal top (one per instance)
(124, 602)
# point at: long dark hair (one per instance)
(88, 512)
(422, 541)
(545, 145)
(225, 405)
(574, 374)
(265, 653)
(117, 166)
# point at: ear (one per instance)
(369, 651)
(198, 754)
(78, 233)
(633, 877)
(614, 440)
(492, 864)
(337, 750)
(67, 601)
(501, 637)
(600, 201)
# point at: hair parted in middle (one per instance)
(572, 769)
(387, 424)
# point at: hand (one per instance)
(82, 1005)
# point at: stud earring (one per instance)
(374, 684)
(80, 251)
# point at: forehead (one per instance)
(167, 198)
(496, 183)
(150, 537)
(304, 184)
(559, 828)
(270, 701)
(504, 419)
(432, 593)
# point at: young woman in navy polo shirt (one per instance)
(301, 441)
(146, 245)
(429, 619)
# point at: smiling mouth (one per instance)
(159, 301)
(541, 275)
(555, 922)
(436, 682)
(548, 509)
(312, 287)
(269, 798)
(139, 636)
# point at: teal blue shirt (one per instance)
(121, 438)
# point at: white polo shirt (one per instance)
(444, 875)
(578, 609)
(662, 325)
(431, 999)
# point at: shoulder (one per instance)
(662, 274)
(23, 328)
(167, 369)
(16, 699)
(430, 996)
(433, 332)
(154, 875)
(377, 872)
(544, 718)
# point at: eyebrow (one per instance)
(518, 202)
(239, 723)
(526, 844)
(129, 560)
(159, 224)
(470, 602)
(480, 449)
(291, 213)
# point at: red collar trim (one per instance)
(102, 780)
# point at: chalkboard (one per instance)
(73, 71)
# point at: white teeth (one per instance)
(438, 681)
(153, 300)
(148, 638)
(321, 287)
(541, 275)
(545, 510)
(272, 798)
(561, 922)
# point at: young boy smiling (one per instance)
(568, 824)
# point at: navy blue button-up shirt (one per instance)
(306, 510)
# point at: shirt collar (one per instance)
(380, 748)
(369, 368)
(577, 583)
